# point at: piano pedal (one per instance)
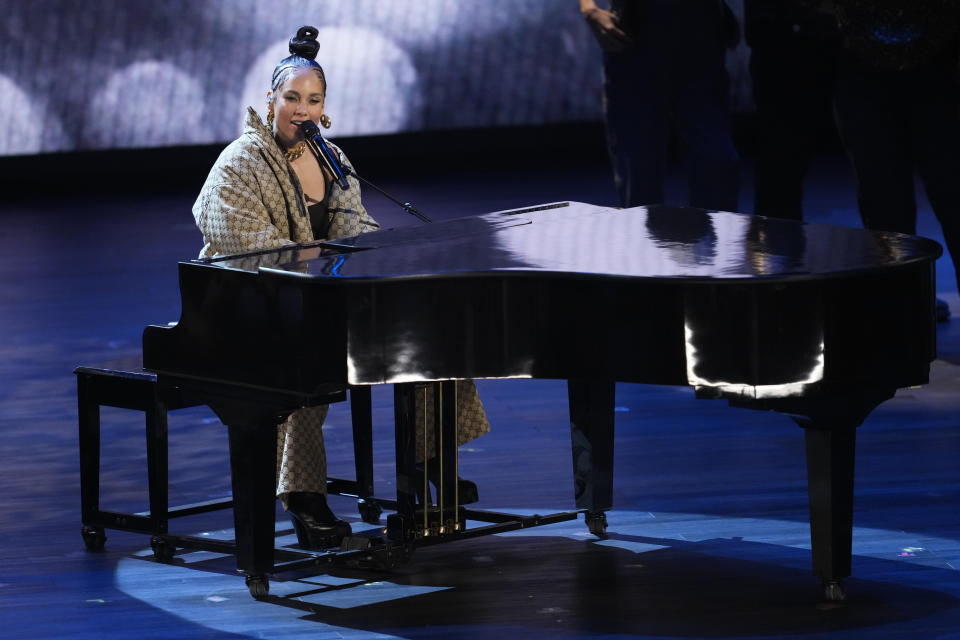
(401, 528)
(361, 543)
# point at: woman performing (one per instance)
(267, 190)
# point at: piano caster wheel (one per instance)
(834, 591)
(597, 523)
(369, 511)
(162, 550)
(93, 537)
(259, 586)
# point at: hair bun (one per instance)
(305, 44)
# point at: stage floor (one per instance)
(708, 539)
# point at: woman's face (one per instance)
(298, 99)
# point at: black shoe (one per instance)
(943, 311)
(316, 525)
(466, 489)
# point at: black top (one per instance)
(320, 213)
(319, 219)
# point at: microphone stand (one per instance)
(409, 208)
(320, 150)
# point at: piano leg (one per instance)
(830, 460)
(591, 434)
(830, 424)
(253, 468)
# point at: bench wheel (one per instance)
(259, 586)
(93, 537)
(162, 550)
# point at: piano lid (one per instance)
(643, 242)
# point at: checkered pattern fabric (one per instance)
(301, 456)
(471, 417)
(302, 460)
(252, 199)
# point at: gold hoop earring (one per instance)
(325, 121)
(270, 119)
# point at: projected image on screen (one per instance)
(126, 73)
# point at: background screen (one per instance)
(131, 73)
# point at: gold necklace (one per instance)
(297, 151)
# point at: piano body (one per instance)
(822, 323)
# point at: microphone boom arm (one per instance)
(329, 161)
(406, 206)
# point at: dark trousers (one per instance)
(793, 81)
(897, 123)
(673, 80)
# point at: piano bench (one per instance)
(125, 385)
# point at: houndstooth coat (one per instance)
(252, 200)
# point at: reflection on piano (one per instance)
(765, 313)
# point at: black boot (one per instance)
(466, 489)
(316, 525)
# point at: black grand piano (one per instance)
(819, 322)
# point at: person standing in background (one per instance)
(898, 111)
(793, 51)
(664, 64)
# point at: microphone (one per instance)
(326, 156)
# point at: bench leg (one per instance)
(88, 412)
(157, 470)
